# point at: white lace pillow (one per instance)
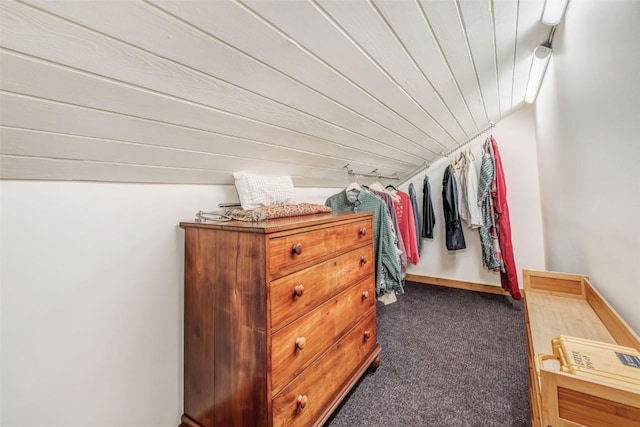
(258, 190)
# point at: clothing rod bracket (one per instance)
(373, 174)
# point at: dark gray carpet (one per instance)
(449, 358)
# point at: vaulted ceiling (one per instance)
(191, 91)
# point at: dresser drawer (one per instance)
(239, 361)
(294, 295)
(288, 253)
(307, 396)
(297, 345)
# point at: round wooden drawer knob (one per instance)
(363, 260)
(363, 231)
(301, 342)
(365, 294)
(367, 335)
(296, 249)
(299, 290)
(302, 401)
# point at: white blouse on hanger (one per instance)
(471, 195)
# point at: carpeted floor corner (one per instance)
(449, 357)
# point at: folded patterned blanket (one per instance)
(274, 211)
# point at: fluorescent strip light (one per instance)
(553, 11)
(539, 64)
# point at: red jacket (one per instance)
(404, 213)
(509, 278)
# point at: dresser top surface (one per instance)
(278, 224)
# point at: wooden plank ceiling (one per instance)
(191, 91)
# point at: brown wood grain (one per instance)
(322, 243)
(621, 331)
(567, 399)
(312, 244)
(590, 410)
(185, 421)
(554, 282)
(321, 328)
(322, 381)
(534, 386)
(231, 357)
(319, 282)
(458, 284)
(225, 329)
(558, 285)
(240, 347)
(279, 224)
(198, 331)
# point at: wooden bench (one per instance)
(568, 304)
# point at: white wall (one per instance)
(91, 300)
(588, 126)
(516, 139)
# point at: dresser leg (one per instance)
(374, 365)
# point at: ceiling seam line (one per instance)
(356, 151)
(291, 78)
(121, 141)
(326, 64)
(373, 61)
(495, 54)
(209, 76)
(515, 53)
(102, 110)
(317, 168)
(470, 53)
(154, 92)
(3, 91)
(446, 60)
(415, 64)
(66, 159)
(331, 67)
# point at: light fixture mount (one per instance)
(553, 11)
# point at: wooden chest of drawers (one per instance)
(279, 318)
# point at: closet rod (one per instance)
(372, 174)
(491, 126)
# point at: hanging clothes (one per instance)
(455, 236)
(389, 197)
(428, 216)
(491, 257)
(459, 170)
(509, 275)
(388, 270)
(470, 193)
(416, 216)
(404, 212)
(386, 198)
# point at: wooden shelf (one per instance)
(568, 304)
